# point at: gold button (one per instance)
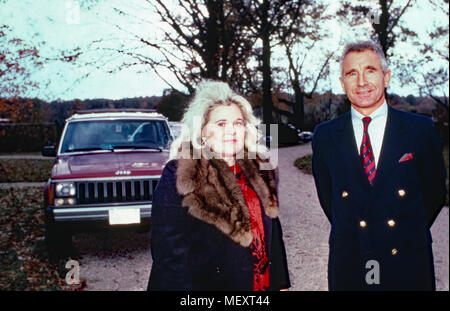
(362, 224)
(394, 251)
(344, 194)
(391, 223)
(401, 192)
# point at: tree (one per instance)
(18, 59)
(429, 71)
(389, 28)
(387, 24)
(212, 38)
(265, 19)
(306, 32)
(198, 40)
(299, 82)
(228, 40)
(172, 105)
(434, 82)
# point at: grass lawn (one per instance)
(304, 164)
(25, 170)
(23, 253)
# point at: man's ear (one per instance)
(387, 78)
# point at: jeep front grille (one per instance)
(115, 191)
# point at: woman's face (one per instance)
(225, 131)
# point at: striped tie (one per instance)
(367, 158)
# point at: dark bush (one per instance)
(26, 137)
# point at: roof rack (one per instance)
(105, 110)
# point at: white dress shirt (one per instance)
(376, 128)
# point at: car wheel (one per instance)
(58, 241)
(143, 228)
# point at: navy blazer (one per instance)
(388, 222)
(189, 254)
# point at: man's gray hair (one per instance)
(361, 46)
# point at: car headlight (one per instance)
(66, 201)
(65, 190)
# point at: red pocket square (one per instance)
(406, 157)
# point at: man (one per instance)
(380, 179)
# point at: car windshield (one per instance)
(115, 134)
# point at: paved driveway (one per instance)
(122, 261)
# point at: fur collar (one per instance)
(212, 194)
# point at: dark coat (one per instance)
(390, 221)
(201, 230)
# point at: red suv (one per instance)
(107, 165)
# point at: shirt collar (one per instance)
(379, 112)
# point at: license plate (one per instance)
(124, 216)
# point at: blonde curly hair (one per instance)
(208, 96)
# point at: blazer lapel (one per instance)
(390, 149)
(345, 140)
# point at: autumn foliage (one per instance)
(16, 59)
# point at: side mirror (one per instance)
(49, 151)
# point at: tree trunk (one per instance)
(299, 108)
(212, 38)
(267, 79)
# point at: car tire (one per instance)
(58, 241)
(143, 228)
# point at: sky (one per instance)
(65, 24)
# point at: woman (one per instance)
(214, 214)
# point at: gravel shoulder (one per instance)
(305, 227)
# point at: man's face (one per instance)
(364, 81)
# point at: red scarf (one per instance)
(258, 246)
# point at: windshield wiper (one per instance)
(136, 147)
(86, 149)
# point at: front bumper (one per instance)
(95, 212)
